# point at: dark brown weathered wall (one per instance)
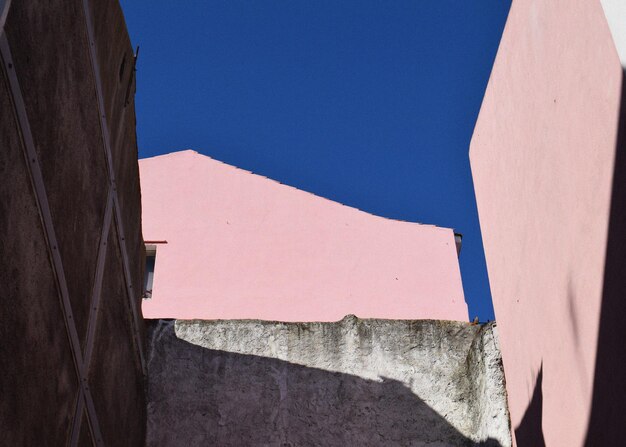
(71, 351)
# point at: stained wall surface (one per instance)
(237, 245)
(71, 357)
(348, 383)
(543, 157)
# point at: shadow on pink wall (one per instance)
(529, 431)
(608, 407)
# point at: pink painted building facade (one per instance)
(547, 158)
(234, 245)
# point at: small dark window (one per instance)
(148, 277)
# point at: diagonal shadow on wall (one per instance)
(608, 406)
(530, 432)
(200, 396)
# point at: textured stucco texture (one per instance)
(348, 383)
(39, 376)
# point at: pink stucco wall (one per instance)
(542, 158)
(242, 246)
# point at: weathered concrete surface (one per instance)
(50, 53)
(353, 382)
(39, 374)
(34, 341)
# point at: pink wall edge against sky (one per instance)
(542, 157)
(241, 246)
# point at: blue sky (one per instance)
(368, 103)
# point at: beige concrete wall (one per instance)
(355, 382)
(70, 228)
(543, 159)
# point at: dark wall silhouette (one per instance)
(608, 406)
(70, 228)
